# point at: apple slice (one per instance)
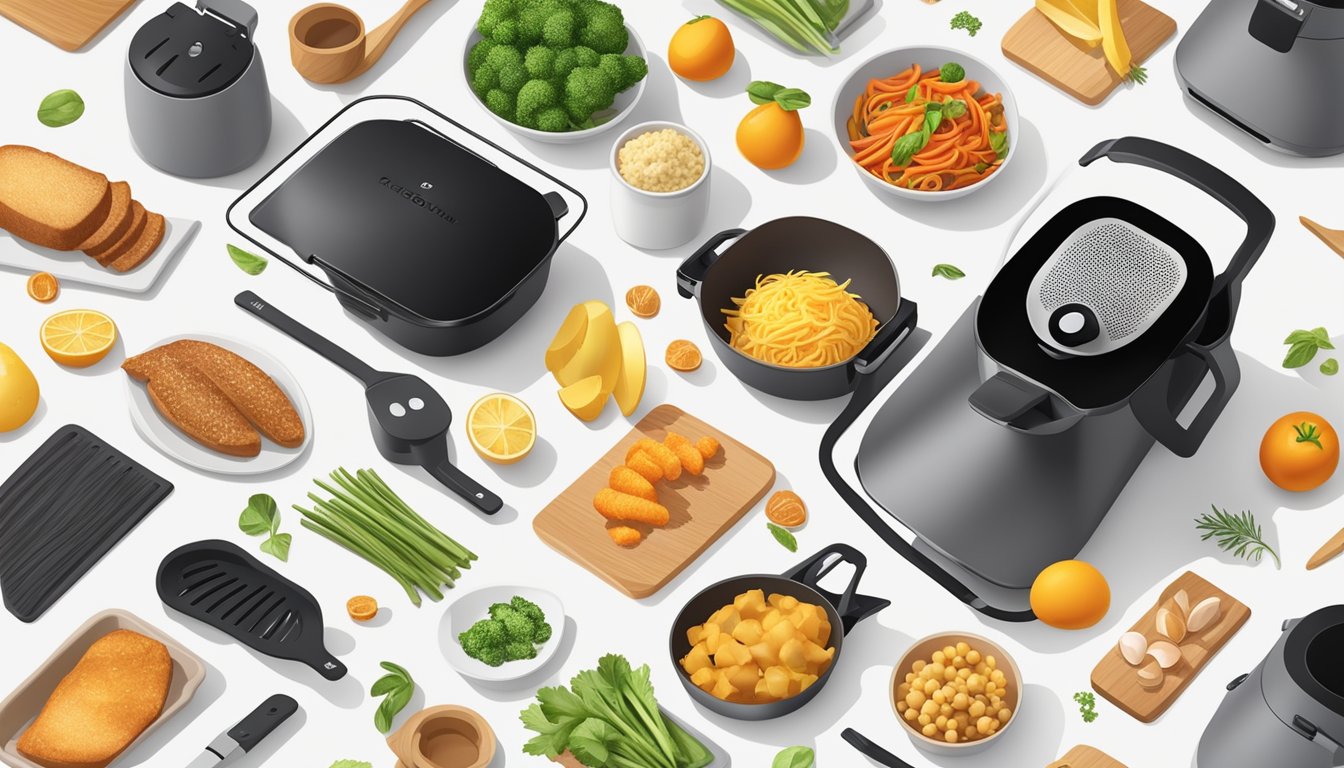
(630, 382)
(568, 339)
(599, 353)
(585, 397)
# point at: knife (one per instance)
(247, 734)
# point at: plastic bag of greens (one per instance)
(807, 26)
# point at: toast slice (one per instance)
(143, 248)
(113, 251)
(117, 222)
(248, 387)
(188, 400)
(48, 200)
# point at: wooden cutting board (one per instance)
(702, 508)
(69, 24)
(1083, 756)
(1038, 45)
(1118, 682)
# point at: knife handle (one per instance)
(264, 719)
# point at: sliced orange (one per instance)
(362, 607)
(501, 428)
(683, 355)
(786, 508)
(643, 300)
(43, 287)
(78, 337)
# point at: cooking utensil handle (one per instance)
(888, 338)
(851, 606)
(329, 667)
(263, 720)
(1152, 403)
(871, 751)
(459, 483)
(307, 337)
(236, 12)
(693, 269)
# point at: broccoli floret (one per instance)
(501, 102)
(588, 90)
(586, 57)
(625, 71)
(565, 62)
(559, 29)
(521, 649)
(554, 120)
(535, 97)
(532, 19)
(541, 629)
(604, 29)
(505, 32)
(486, 641)
(502, 56)
(512, 77)
(636, 69)
(540, 62)
(493, 12)
(484, 79)
(518, 627)
(478, 53)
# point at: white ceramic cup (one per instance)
(657, 221)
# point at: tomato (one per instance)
(770, 136)
(701, 49)
(1299, 452)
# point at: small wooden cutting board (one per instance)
(702, 508)
(1037, 44)
(69, 24)
(1083, 756)
(1118, 682)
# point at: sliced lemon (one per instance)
(78, 337)
(501, 428)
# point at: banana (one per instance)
(1073, 20)
(1113, 42)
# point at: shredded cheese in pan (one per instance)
(800, 320)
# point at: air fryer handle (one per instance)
(693, 269)
(1217, 184)
(851, 606)
(1152, 404)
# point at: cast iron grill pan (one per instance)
(219, 584)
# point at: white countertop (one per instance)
(1147, 539)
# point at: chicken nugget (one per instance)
(624, 535)
(649, 469)
(707, 446)
(660, 454)
(615, 505)
(687, 454)
(627, 480)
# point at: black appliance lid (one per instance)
(1312, 654)
(188, 54)
(414, 219)
(1005, 333)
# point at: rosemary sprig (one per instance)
(1138, 74)
(1236, 533)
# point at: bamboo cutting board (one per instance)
(69, 24)
(1118, 682)
(1083, 756)
(1038, 45)
(702, 508)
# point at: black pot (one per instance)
(842, 611)
(778, 246)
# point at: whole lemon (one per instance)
(18, 391)
(1070, 594)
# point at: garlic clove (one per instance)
(1150, 675)
(1165, 654)
(1170, 625)
(1182, 600)
(1133, 647)
(1203, 616)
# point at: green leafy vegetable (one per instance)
(789, 99)
(964, 20)
(998, 141)
(1238, 534)
(952, 72)
(1303, 346)
(912, 94)
(396, 688)
(60, 108)
(948, 271)
(954, 108)
(906, 147)
(278, 545)
(1137, 74)
(807, 26)
(981, 167)
(351, 764)
(250, 263)
(1330, 367)
(261, 518)
(511, 633)
(609, 718)
(1087, 705)
(783, 536)
(794, 757)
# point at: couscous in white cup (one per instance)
(657, 220)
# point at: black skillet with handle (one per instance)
(408, 418)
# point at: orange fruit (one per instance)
(643, 300)
(683, 355)
(786, 508)
(770, 137)
(43, 287)
(78, 337)
(701, 49)
(1299, 451)
(362, 607)
(1070, 594)
(501, 428)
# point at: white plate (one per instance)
(75, 267)
(170, 441)
(474, 606)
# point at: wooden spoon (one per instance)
(327, 43)
(1331, 237)
(1328, 551)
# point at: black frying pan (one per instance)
(791, 244)
(843, 612)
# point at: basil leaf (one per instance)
(1322, 338)
(388, 709)
(763, 91)
(396, 670)
(1301, 335)
(60, 108)
(793, 99)
(250, 263)
(932, 119)
(785, 539)
(998, 141)
(260, 516)
(912, 94)
(278, 545)
(1300, 354)
(1330, 367)
(794, 757)
(954, 109)
(948, 271)
(906, 147)
(386, 684)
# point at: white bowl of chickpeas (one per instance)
(956, 693)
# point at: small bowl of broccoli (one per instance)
(502, 633)
(556, 71)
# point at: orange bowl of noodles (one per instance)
(798, 307)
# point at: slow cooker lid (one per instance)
(1314, 656)
(413, 218)
(189, 54)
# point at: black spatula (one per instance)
(219, 584)
(409, 419)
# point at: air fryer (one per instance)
(1272, 69)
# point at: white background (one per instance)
(1147, 539)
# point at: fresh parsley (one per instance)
(964, 20)
(948, 271)
(396, 688)
(1238, 534)
(250, 263)
(262, 518)
(782, 535)
(1303, 346)
(794, 757)
(1087, 705)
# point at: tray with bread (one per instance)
(61, 714)
(60, 217)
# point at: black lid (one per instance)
(415, 219)
(1314, 658)
(188, 54)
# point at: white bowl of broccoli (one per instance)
(556, 71)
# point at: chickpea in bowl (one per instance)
(956, 692)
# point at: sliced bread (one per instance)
(48, 200)
(114, 250)
(117, 222)
(144, 247)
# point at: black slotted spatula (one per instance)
(219, 584)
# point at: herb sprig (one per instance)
(1087, 705)
(1235, 533)
(1303, 346)
(782, 535)
(261, 518)
(396, 688)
